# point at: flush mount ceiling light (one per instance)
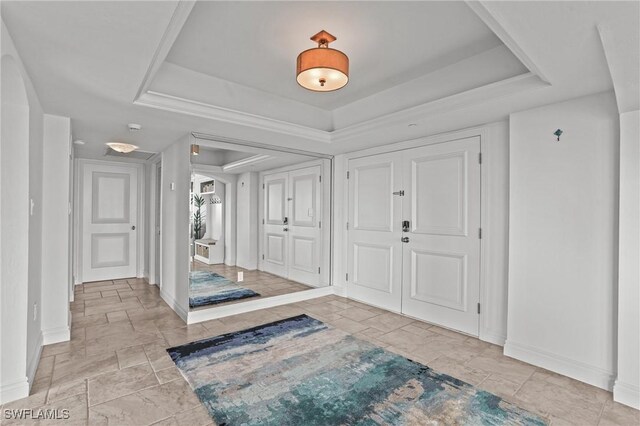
(322, 69)
(122, 147)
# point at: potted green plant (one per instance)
(198, 216)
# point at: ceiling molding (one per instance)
(245, 162)
(499, 30)
(232, 143)
(510, 86)
(178, 19)
(200, 109)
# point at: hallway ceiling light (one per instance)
(322, 69)
(122, 147)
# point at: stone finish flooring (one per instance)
(115, 369)
(263, 283)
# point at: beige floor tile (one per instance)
(120, 341)
(453, 368)
(500, 386)
(67, 389)
(130, 356)
(158, 356)
(355, 313)
(117, 316)
(97, 331)
(71, 368)
(88, 320)
(106, 387)
(559, 402)
(618, 414)
(111, 340)
(348, 325)
(168, 374)
(146, 406)
(387, 321)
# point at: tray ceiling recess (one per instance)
(236, 62)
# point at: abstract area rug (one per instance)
(299, 371)
(209, 288)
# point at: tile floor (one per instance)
(115, 369)
(263, 283)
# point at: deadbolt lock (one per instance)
(405, 239)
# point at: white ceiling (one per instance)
(88, 60)
(255, 44)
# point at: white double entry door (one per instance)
(291, 229)
(413, 237)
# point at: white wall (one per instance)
(247, 221)
(495, 196)
(20, 231)
(563, 238)
(627, 386)
(176, 174)
(56, 232)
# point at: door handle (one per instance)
(133, 228)
(405, 226)
(285, 220)
(405, 239)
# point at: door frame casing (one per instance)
(154, 238)
(326, 200)
(487, 271)
(79, 214)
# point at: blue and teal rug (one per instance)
(299, 371)
(209, 288)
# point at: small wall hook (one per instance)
(558, 133)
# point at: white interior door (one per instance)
(305, 209)
(374, 235)
(441, 277)
(275, 224)
(109, 212)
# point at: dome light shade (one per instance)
(322, 69)
(122, 147)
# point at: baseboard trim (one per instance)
(173, 304)
(254, 305)
(496, 339)
(11, 391)
(32, 365)
(562, 365)
(339, 290)
(56, 335)
(627, 394)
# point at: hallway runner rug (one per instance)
(209, 288)
(300, 371)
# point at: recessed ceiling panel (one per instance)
(255, 44)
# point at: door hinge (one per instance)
(479, 158)
(263, 257)
(478, 307)
(319, 224)
(347, 226)
(263, 221)
(318, 269)
(480, 233)
(347, 175)
(320, 178)
(346, 277)
(399, 193)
